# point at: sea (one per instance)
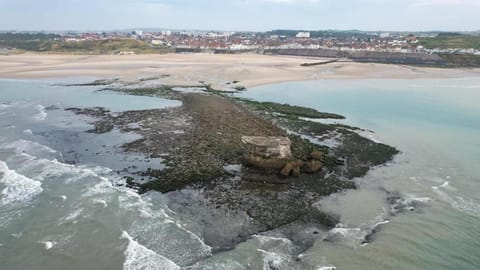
(63, 204)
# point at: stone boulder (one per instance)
(292, 168)
(268, 147)
(273, 154)
(312, 166)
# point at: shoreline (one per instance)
(202, 150)
(247, 70)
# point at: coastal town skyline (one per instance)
(241, 15)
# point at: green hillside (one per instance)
(445, 41)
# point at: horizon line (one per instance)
(244, 31)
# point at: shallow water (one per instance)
(55, 215)
(436, 126)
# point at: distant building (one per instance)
(303, 35)
(126, 52)
(139, 33)
(385, 35)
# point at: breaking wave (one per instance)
(138, 257)
(18, 189)
(41, 113)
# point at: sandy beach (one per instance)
(187, 69)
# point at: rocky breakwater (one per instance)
(237, 167)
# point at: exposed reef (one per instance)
(201, 145)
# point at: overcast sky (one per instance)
(260, 15)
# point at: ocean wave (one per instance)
(159, 231)
(100, 202)
(30, 147)
(400, 202)
(138, 257)
(465, 205)
(42, 169)
(47, 245)
(330, 267)
(18, 189)
(71, 217)
(4, 106)
(267, 239)
(41, 114)
(272, 260)
(352, 237)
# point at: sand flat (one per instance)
(187, 69)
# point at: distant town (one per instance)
(280, 39)
(446, 49)
(277, 39)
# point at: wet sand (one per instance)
(187, 69)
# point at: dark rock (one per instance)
(316, 155)
(313, 166)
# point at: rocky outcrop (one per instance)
(273, 154)
(268, 147)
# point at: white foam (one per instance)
(48, 244)
(100, 202)
(422, 200)
(41, 114)
(27, 132)
(138, 257)
(25, 146)
(264, 239)
(445, 184)
(42, 169)
(161, 232)
(331, 267)
(467, 206)
(381, 223)
(72, 216)
(272, 260)
(17, 235)
(18, 188)
(4, 106)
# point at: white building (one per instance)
(385, 35)
(157, 42)
(303, 35)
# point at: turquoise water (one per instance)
(436, 126)
(56, 94)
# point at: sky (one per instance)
(241, 15)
